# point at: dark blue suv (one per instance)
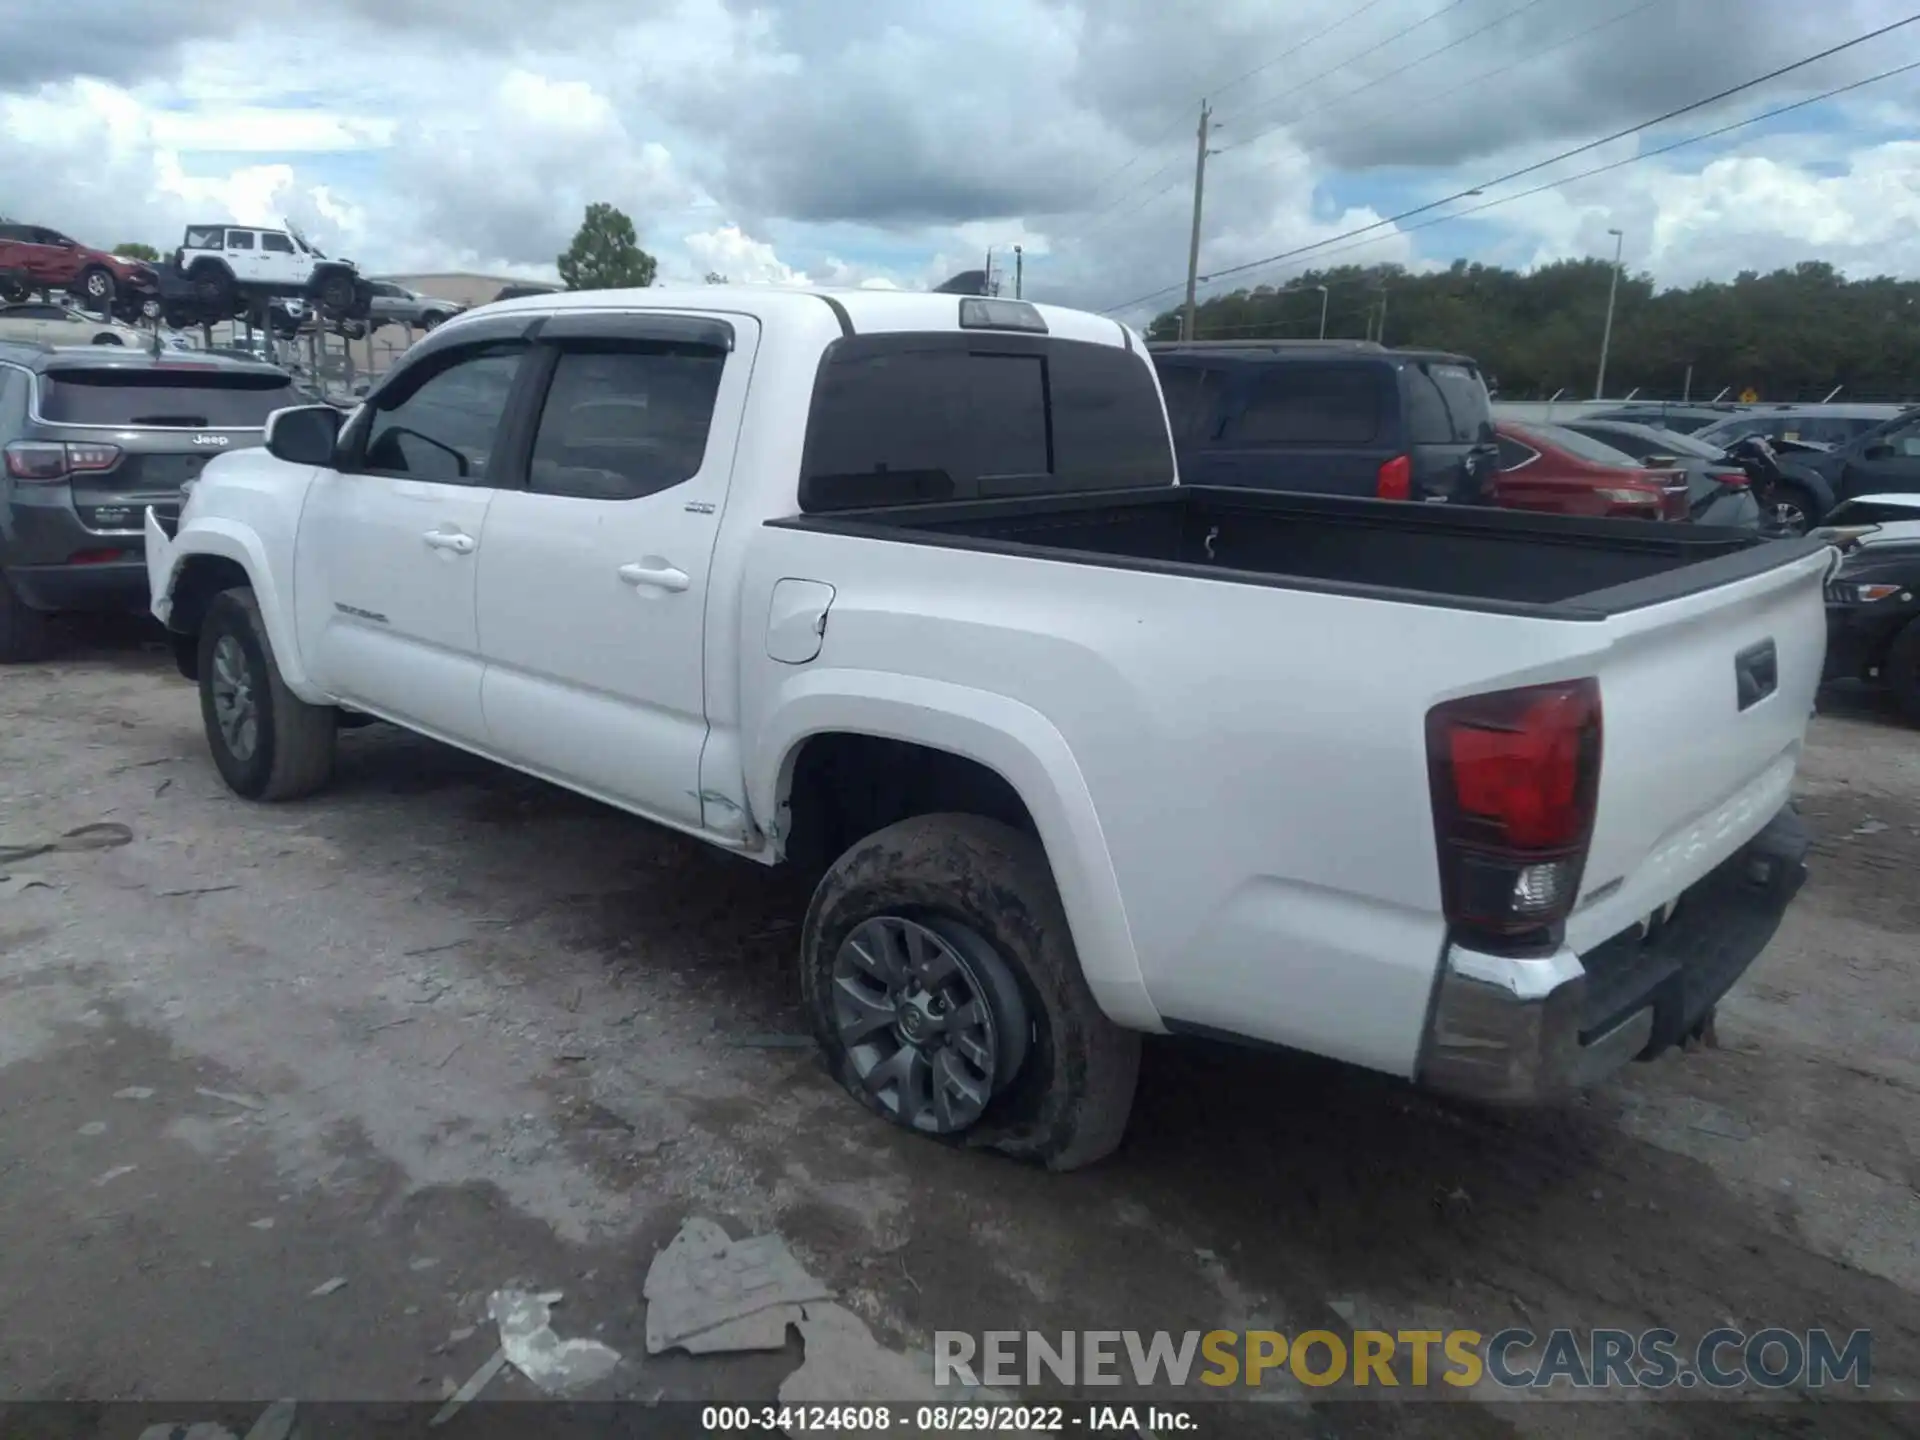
(1330, 417)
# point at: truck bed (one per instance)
(1506, 561)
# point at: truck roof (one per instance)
(863, 312)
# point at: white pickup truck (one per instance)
(902, 588)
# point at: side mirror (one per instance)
(1879, 452)
(303, 434)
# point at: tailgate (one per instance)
(1705, 702)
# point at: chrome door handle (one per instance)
(450, 540)
(660, 577)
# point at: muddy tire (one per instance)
(983, 894)
(24, 633)
(1901, 671)
(267, 742)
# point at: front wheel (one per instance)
(1789, 510)
(944, 987)
(267, 742)
(96, 288)
(1901, 671)
(336, 294)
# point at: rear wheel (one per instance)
(1901, 671)
(267, 742)
(943, 985)
(107, 337)
(24, 633)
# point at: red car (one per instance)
(1548, 467)
(33, 257)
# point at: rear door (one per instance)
(243, 254)
(1450, 441)
(593, 571)
(1312, 426)
(157, 427)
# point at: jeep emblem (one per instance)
(210, 440)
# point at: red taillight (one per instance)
(1732, 479)
(1396, 479)
(96, 557)
(1514, 775)
(44, 462)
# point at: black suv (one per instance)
(1330, 418)
(91, 436)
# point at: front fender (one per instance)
(1016, 742)
(1813, 481)
(167, 560)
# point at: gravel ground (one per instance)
(445, 1029)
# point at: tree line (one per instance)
(1793, 334)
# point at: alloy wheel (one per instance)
(234, 707)
(931, 1018)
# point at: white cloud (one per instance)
(890, 142)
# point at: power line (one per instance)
(1541, 164)
(1379, 80)
(1216, 90)
(1561, 44)
(1097, 223)
(1714, 134)
(1378, 45)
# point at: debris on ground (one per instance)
(1871, 827)
(245, 1102)
(845, 1365)
(477, 1382)
(774, 1042)
(706, 1293)
(528, 1342)
(114, 1174)
(105, 835)
(20, 881)
(275, 1422)
(327, 1287)
(134, 1092)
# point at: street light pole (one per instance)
(1323, 310)
(1606, 335)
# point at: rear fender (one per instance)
(1017, 743)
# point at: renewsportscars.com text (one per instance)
(1512, 1359)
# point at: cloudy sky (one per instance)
(894, 141)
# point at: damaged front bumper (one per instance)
(1536, 1028)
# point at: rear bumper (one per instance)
(116, 586)
(1538, 1028)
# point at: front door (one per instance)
(390, 543)
(1887, 464)
(593, 579)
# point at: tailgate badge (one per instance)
(210, 440)
(1756, 673)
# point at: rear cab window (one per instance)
(164, 397)
(899, 419)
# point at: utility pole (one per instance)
(1193, 245)
(986, 281)
(1382, 338)
(1606, 335)
(1019, 266)
(1323, 310)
